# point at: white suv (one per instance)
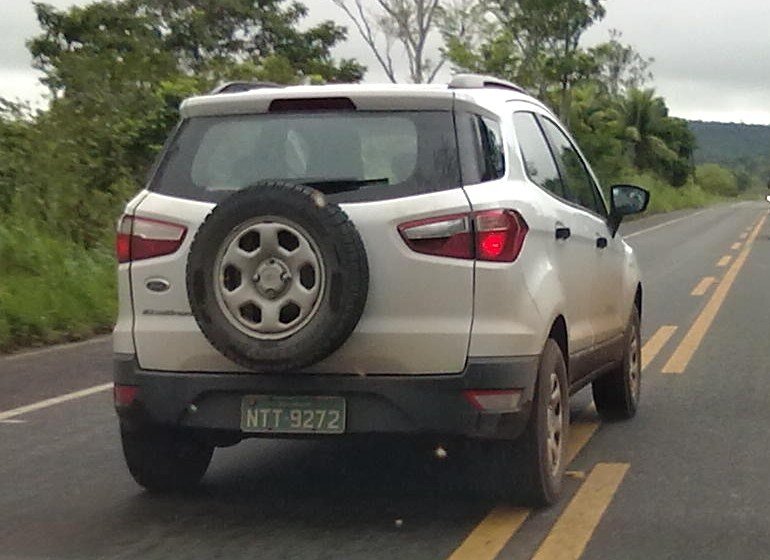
(353, 259)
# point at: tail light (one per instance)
(491, 235)
(503, 400)
(143, 238)
(124, 395)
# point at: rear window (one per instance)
(359, 155)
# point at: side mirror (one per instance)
(626, 200)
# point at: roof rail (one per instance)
(237, 87)
(475, 81)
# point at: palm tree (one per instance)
(659, 142)
(644, 118)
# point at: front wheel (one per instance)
(616, 394)
(163, 460)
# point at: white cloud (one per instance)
(21, 85)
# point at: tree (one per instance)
(408, 23)
(620, 67)
(658, 142)
(536, 43)
(204, 38)
(16, 129)
(597, 125)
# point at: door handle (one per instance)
(563, 232)
(601, 242)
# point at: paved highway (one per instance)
(687, 478)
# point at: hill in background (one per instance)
(730, 143)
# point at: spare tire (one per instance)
(277, 278)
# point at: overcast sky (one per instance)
(712, 59)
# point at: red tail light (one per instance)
(124, 395)
(143, 238)
(447, 236)
(491, 235)
(499, 235)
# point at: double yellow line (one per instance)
(692, 340)
(575, 526)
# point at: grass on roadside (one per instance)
(51, 290)
(665, 198)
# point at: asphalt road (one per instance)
(687, 478)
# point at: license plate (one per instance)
(293, 415)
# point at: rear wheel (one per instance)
(616, 394)
(535, 463)
(163, 460)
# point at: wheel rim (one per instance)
(269, 277)
(634, 366)
(555, 416)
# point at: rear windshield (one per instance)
(352, 155)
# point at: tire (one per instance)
(616, 394)
(165, 460)
(535, 468)
(292, 319)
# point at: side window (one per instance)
(578, 185)
(538, 161)
(482, 154)
(492, 148)
(471, 158)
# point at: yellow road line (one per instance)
(703, 286)
(686, 349)
(489, 537)
(570, 535)
(54, 401)
(724, 261)
(656, 343)
(735, 246)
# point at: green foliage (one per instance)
(657, 142)
(535, 43)
(620, 67)
(717, 179)
(598, 127)
(16, 132)
(730, 143)
(743, 148)
(665, 198)
(51, 289)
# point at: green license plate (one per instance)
(292, 415)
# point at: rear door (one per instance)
(419, 309)
(606, 253)
(567, 227)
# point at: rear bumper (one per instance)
(405, 404)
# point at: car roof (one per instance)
(364, 96)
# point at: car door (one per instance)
(606, 251)
(570, 230)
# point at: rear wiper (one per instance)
(328, 186)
